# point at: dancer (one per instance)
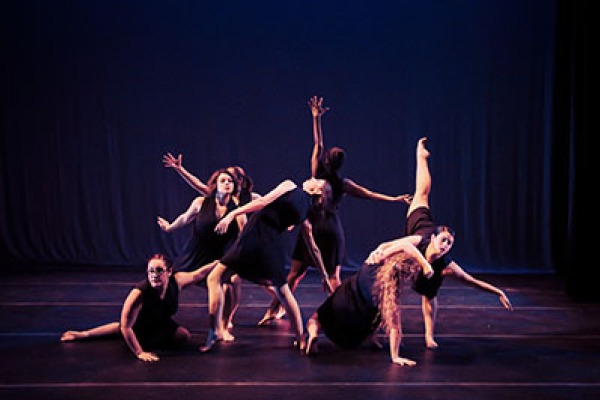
(259, 253)
(327, 226)
(369, 300)
(205, 245)
(146, 322)
(434, 242)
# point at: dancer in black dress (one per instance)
(369, 300)
(434, 242)
(146, 322)
(327, 225)
(205, 245)
(259, 253)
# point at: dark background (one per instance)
(95, 92)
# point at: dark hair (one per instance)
(212, 181)
(160, 256)
(334, 158)
(443, 228)
(244, 180)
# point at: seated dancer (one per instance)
(146, 322)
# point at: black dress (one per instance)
(154, 326)
(327, 226)
(205, 245)
(420, 222)
(351, 313)
(259, 253)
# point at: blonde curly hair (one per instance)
(397, 270)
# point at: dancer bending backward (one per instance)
(434, 242)
(205, 245)
(259, 253)
(370, 300)
(327, 226)
(146, 322)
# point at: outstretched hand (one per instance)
(169, 161)
(163, 223)
(406, 198)
(316, 106)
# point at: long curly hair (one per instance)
(396, 272)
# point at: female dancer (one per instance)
(259, 253)
(146, 321)
(205, 245)
(327, 226)
(369, 300)
(434, 242)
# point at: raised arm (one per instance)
(170, 161)
(355, 190)
(317, 110)
(255, 205)
(184, 218)
(453, 269)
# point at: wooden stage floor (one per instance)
(548, 348)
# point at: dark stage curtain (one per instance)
(95, 92)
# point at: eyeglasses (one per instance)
(157, 270)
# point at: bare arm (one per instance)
(184, 218)
(355, 190)
(170, 161)
(395, 340)
(255, 205)
(315, 253)
(453, 269)
(406, 244)
(129, 314)
(317, 110)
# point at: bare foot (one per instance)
(266, 319)
(227, 336)
(300, 343)
(403, 361)
(374, 340)
(280, 313)
(312, 347)
(211, 339)
(430, 343)
(72, 335)
(421, 150)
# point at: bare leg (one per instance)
(215, 307)
(287, 299)
(312, 327)
(235, 293)
(335, 278)
(429, 309)
(112, 328)
(422, 178)
(275, 311)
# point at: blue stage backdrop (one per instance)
(95, 92)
